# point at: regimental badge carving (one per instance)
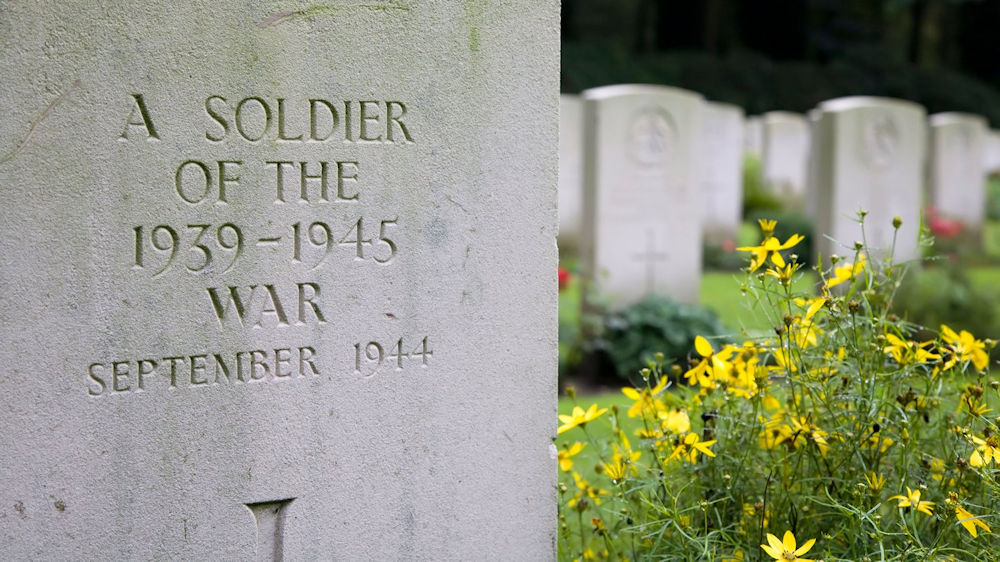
(653, 136)
(880, 140)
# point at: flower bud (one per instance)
(897, 221)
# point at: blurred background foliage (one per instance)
(791, 54)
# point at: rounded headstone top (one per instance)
(851, 103)
(778, 116)
(622, 90)
(957, 118)
(725, 107)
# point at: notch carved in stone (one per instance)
(270, 517)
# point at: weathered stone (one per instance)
(722, 170)
(278, 282)
(957, 182)
(868, 155)
(642, 198)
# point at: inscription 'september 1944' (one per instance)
(195, 248)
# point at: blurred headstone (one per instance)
(642, 199)
(868, 154)
(753, 140)
(785, 154)
(570, 172)
(991, 153)
(722, 170)
(956, 180)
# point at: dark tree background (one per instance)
(791, 54)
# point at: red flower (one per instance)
(563, 278)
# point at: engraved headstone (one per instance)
(642, 198)
(785, 153)
(868, 154)
(273, 277)
(722, 170)
(957, 182)
(570, 172)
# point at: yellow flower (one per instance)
(767, 227)
(987, 451)
(966, 347)
(616, 470)
(644, 398)
(846, 272)
(970, 521)
(585, 491)
(785, 549)
(712, 366)
(912, 499)
(689, 446)
(770, 248)
(675, 421)
(783, 274)
(579, 417)
(875, 481)
(909, 352)
(566, 456)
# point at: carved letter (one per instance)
(143, 121)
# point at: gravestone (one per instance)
(868, 155)
(785, 154)
(282, 280)
(570, 172)
(957, 182)
(642, 196)
(722, 170)
(753, 140)
(991, 153)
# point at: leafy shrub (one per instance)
(757, 199)
(632, 336)
(993, 198)
(945, 295)
(845, 433)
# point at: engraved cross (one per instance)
(650, 256)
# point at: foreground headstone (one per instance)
(642, 198)
(278, 283)
(868, 155)
(957, 182)
(722, 171)
(785, 153)
(570, 172)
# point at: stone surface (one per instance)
(753, 140)
(146, 414)
(570, 172)
(868, 155)
(785, 153)
(642, 196)
(991, 152)
(722, 170)
(956, 180)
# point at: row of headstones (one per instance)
(646, 172)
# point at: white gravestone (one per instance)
(272, 279)
(642, 199)
(991, 153)
(570, 171)
(722, 170)
(957, 182)
(868, 155)
(785, 153)
(753, 141)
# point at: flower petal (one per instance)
(702, 346)
(789, 541)
(805, 547)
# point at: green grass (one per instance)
(740, 313)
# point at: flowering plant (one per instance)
(840, 432)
